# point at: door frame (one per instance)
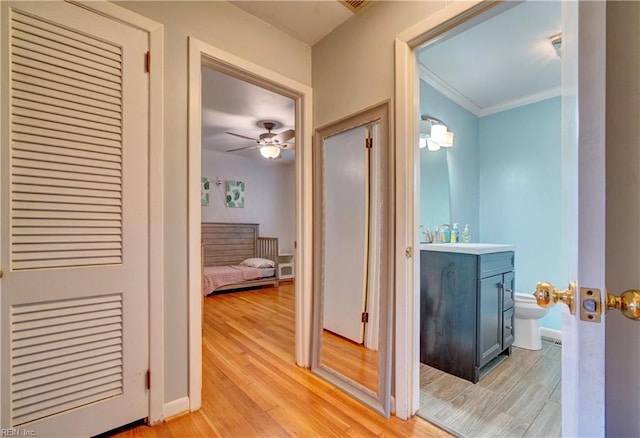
(155, 250)
(580, 412)
(203, 54)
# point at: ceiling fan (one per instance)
(269, 143)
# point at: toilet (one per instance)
(526, 326)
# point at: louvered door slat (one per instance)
(58, 182)
(42, 84)
(60, 379)
(62, 129)
(66, 388)
(63, 68)
(59, 231)
(69, 353)
(71, 119)
(50, 41)
(63, 135)
(54, 52)
(29, 163)
(18, 205)
(58, 320)
(31, 24)
(33, 350)
(45, 173)
(36, 107)
(65, 191)
(44, 238)
(82, 333)
(66, 152)
(67, 104)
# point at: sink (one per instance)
(467, 248)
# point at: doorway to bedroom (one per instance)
(248, 228)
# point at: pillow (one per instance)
(256, 262)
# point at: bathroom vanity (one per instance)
(466, 306)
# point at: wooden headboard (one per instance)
(231, 243)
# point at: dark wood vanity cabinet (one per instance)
(466, 310)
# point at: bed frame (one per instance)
(230, 243)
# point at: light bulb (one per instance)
(439, 133)
(449, 140)
(270, 152)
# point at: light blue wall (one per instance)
(461, 162)
(521, 195)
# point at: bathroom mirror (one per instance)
(352, 247)
(435, 195)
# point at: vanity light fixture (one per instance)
(556, 42)
(439, 136)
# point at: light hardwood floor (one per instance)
(520, 397)
(252, 387)
(353, 361)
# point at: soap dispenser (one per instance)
(466, 234)
(455, 234)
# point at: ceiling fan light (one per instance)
(270, 152)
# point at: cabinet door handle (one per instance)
(508, 290)
(508, 327)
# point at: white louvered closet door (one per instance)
(74, 245)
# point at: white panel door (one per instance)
(74, 245)
(346, 233)
(584, 127)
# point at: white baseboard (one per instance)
(548, 333)
(175, 407)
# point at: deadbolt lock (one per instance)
(547, 295)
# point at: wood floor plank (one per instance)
(523, 385)
(548, 423)
(252, 387)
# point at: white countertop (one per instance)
(467, 248)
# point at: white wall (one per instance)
(353, 67)
(269, 194)
(233, 30)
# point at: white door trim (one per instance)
(407, 306)
(200, 54)
(156, 195)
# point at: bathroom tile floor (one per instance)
(520, 397)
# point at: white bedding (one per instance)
(267, 272)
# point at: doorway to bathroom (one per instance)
(494, 88)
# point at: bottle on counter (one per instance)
(446, 234)
(466, 234)
(455, 234)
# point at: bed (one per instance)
(234, 256)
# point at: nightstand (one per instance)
(285, 266)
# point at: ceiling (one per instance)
(504, 62)
(307, 21)
(510, 57)
(232, 105)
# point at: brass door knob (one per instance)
(547, 295)
(628, 302)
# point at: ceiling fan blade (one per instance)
(288, 146)
(284, 136)
(240, 135)
(242, 149)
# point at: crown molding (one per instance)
(447, 90)
(522, 101)
(434, 80)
